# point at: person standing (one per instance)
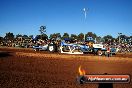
(108, 51)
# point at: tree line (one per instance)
(80, 37)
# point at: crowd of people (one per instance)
(120, 47)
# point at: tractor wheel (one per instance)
(51, 48)
(99, 52)
(36, 50)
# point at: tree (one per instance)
(55, 36)
(38, 37)
(9, 36)
(124, 38)
(25, 36)
(108, 38)
(130, 40)
(42, 29)
(81, 37)
(1, 39)
(42, 37)
(73, 36)
(58, 35)
(119, 39)
(51, 36)
(90, 34)
(18, 35)
(65, 35)
(42, 32)
(30, 36)
(98, 39)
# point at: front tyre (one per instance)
(100, 53)
(36, 50)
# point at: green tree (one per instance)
(58, 35)
(98, 39)
(42, 37)
(90, 34)
(1, 39)
(81, 37)
(130, 40)
(108, 38)
(123, 38)
(55, 36)
(38, 37)
(18, 35)
(9, 36)
(43, 33)
(30, 36)
(51, 36)
(42, 29)
(65, 35)
(73, 36)
(25, 36)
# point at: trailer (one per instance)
(70, 48)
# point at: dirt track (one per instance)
(24, 68)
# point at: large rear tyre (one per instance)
(52, 48)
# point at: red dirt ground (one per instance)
(24, 68)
